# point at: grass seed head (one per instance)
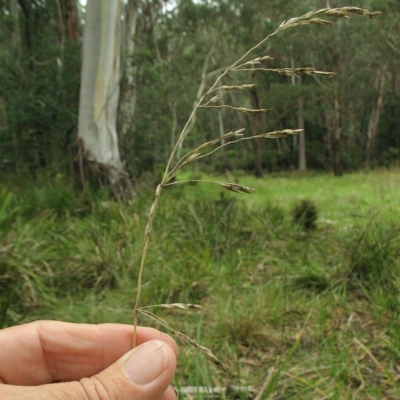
(182, 306)
(233, 134)
(233, 187)
(300, 71)
(362, 11)
(214, 99)
(207, 144)
(190, 159)
(339, 13)
(237, 87)
(211, 143)
(206, 351)
(254, 61)
(279, 134)
(317, 21)
(249, 110)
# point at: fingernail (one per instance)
(146, 363)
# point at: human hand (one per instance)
(88, 362)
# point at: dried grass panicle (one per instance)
(207, 145)
(255, 61)
(336, 13)
(218, 140)
(301, 71)
(213, 99)
(186, 339)
(290, 71)
(311, 71)
(234, 87)
(233, 187)
(206, 351)
(193, 156)
(196, 153)
(239, 109)
(258, 60)
(249, 110)
(182, 306)
(316, 21)
(231, 134)
(173, 166)
(341, 12)
(213, 142)
(279, 134)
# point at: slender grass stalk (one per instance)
(143, 258)
(239, 65)
(377, 363)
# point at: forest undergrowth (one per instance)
(302, 311)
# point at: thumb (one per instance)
(144, 373)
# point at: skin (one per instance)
(58, 360)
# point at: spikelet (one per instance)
(206, 351)
(234, 87)
(233, 187)
(279, 134)
(239, 109)
(182, 306)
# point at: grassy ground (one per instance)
(314, 314)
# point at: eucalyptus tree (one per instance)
(99, 93)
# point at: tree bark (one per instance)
(222, 131)
(73, 23)
(375, 116)
(62, 28)
(97, 135)
(16, 46)
(302, 139)
(337, 164)
(257, 128)
(16, 34)
(129, 86)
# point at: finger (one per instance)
(170, 394)
(47, 351)
(142, 374)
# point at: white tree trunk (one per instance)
(99, 94)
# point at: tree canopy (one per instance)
(170, 54)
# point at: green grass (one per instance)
(337, 199)
(275, 295)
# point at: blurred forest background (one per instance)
(171, 52)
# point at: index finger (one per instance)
(46, 351)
